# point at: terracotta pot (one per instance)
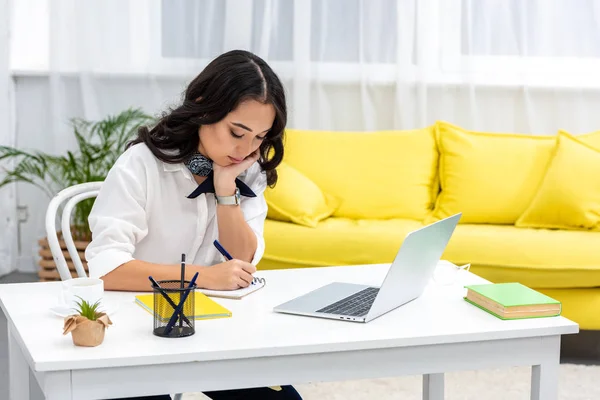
(86, 332)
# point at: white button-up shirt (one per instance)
(142, 213)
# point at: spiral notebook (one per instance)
(257, 283)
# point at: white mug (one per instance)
(74, 290)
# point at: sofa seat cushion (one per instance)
(579, 305)
(334, 241)
(539, 258)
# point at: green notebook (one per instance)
(512, 301)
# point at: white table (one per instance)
(436, 333)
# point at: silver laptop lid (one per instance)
(413, 266)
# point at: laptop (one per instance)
(405, 280)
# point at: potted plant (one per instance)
(88, 325)
(99, 144)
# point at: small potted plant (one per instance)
(88, 325)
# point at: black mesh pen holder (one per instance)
(167, 298)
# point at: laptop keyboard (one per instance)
(355, 305)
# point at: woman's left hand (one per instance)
(225, 176)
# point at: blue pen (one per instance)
(228, 256)
(222, 250)
(179, 309)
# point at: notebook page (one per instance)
(233, 294)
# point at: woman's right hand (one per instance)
(230, 275)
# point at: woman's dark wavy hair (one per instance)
(228, 80)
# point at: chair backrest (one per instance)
(72, 195)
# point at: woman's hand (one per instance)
(230, 275)
(225, 176)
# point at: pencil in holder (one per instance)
(167, 298)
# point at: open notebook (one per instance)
(257, 284)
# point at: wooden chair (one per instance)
(71, 195)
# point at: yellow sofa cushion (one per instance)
(499, 253)
(295, 198)
(591, 138)
(569, 195)
(539, 258)
(335, 241)
(384, 174)
(489, 177)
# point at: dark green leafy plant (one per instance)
(87, 310)
(99, 144)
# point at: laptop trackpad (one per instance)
(321, 297)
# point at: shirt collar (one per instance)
(168, 167)
(179, 167)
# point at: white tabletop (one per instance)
(439, 316)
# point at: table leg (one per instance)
(18, 370)
(433, 387)
(544, 377)
(544, 381)
(56, 385)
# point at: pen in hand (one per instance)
(222, 250)
(228, 257)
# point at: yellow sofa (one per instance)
(530, 204)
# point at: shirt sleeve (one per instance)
(118, 217)
(255, 208)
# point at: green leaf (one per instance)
(99, 145)
(85, 309)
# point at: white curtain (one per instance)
(8, 201)
(498, 65)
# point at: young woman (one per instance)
(197, 176)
